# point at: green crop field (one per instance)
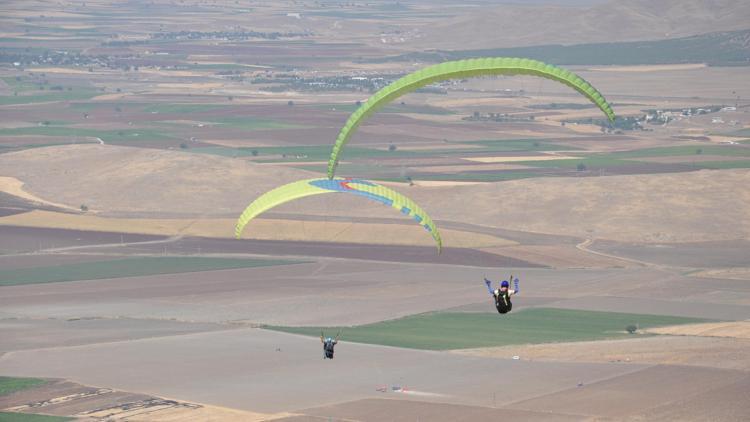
(47, 96)
(129, 267)
(30, 417)
(125, 135)
(10, 385)
(21, 84)
(249, 123)
(302, 153)
(724, 165)
(454, 330)
(724, 150)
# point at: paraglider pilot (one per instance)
(502, 295)
(328, 344)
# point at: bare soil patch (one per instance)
(13, 186)
(741, 273)
(230, 378)
(645, 208)
(733, 329)
(695, 158)
(471, 167)
(35, 240)
(121, 178)
(509, 159)
(651, 208)
(558, 256)
(65, 398)
(407, 410)
(260, 229)
(34, 333)
(650, 68)
(726, 353)
(636, 393)
(719, 256)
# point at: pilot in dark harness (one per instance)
(503, 294)
(328, 344)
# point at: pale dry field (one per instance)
(64, 398)
(734, 329)
(730, 273)
(358, 232)
(333, 291)
(723, 353)
(547, 157)
(269, 372)
(13, 186)
(695, 158)
(472, 167)
(663, 207)
(649, 68)
(165, 184)
(558, 256)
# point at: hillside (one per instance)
(120, 181)
(716, 48)
(503, 26)
(123, 180)
(678, 207)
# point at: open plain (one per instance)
(131, 139)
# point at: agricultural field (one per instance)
(446, 331)
(133, 136)
(129, 267)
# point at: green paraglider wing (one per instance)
(373, 191)
(463, 69)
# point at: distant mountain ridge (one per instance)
(716, 49)
(617, 21)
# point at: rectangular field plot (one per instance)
(30, 417)
(129, 267)
(447, 330)
(9, 385)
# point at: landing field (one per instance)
(96, 327)
(447, 331)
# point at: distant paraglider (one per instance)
(367, 189)
(328, 345)
(462, 69)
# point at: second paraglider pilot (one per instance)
(502, 294)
